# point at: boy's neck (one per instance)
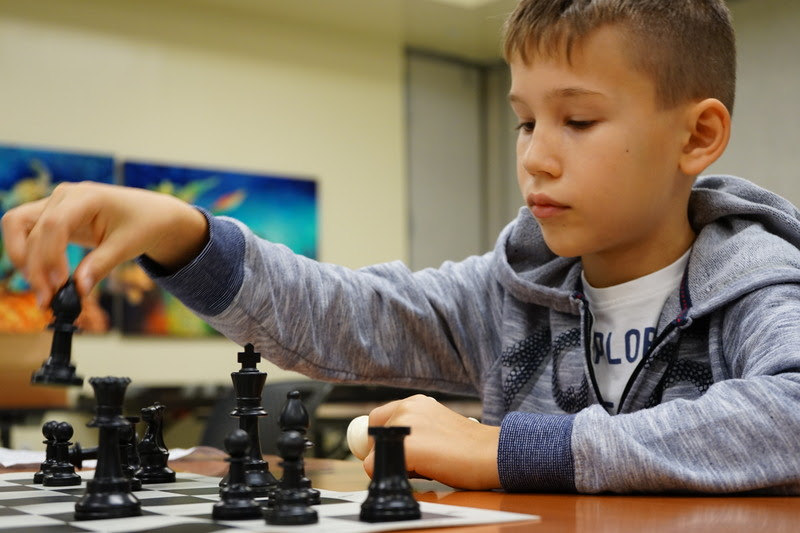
(610, 268)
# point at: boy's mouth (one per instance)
(542, 206)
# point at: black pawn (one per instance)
(130, 471)
(294, 417)
(50, 451)
(57, 370)
(236, 499)
(390, 496)
(62, 473)
(153, 453)
(109, 494)
(132, 446)
(290, 500)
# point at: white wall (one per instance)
(446, 164)
(216, 87)
(765, 145)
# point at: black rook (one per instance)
(390, 496)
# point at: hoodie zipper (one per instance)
(588, 322)
(679, 321)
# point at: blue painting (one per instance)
(280, 209)
(28, 174)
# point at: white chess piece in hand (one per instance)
(357, 437)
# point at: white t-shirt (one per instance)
(625, 319)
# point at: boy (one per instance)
(632, 330)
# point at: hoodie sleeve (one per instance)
(382, 324)
(741, 435)
(535, 453)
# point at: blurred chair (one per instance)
(21, 402)
(220, 422)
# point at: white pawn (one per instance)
(357, 438)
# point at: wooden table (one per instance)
(562, 513)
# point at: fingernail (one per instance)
(40, 297)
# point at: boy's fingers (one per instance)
(37, 235)
(387, 414)
(100, 261)
(32, 248)
(369, 462)
(369, 466)
(380, 416)
(399, 413)
(88, 273)
(46, 263)
(17, 224)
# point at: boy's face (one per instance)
(597, 160)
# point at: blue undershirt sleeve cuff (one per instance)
(535, 453)
(208, 284)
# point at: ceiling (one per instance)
(468, 29)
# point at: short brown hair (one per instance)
(686, 46)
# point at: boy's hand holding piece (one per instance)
(443, 445)
(117, 223)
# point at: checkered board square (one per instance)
(185, 506)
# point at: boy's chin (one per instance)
(561, 248)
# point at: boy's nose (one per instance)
(538, 155)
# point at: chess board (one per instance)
(185, 506)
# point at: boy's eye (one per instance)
(527, 127)
(581, 124)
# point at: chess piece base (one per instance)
(313, 496)
(107, 499)
(244, 510)
(61, 479)
(382, 509)
(259, 479)
(51, 375)
(163, 475)
(292, 515)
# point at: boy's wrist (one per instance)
(178, 247)
(486, 475)
(210, 281)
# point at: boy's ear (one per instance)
(709, 130)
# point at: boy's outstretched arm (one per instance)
(443, 445)
(117, 223)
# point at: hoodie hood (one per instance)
(747, 238)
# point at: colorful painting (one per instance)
(279, 209)
(28, 174)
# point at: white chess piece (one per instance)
(357, 437)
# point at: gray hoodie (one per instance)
(714, 406)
